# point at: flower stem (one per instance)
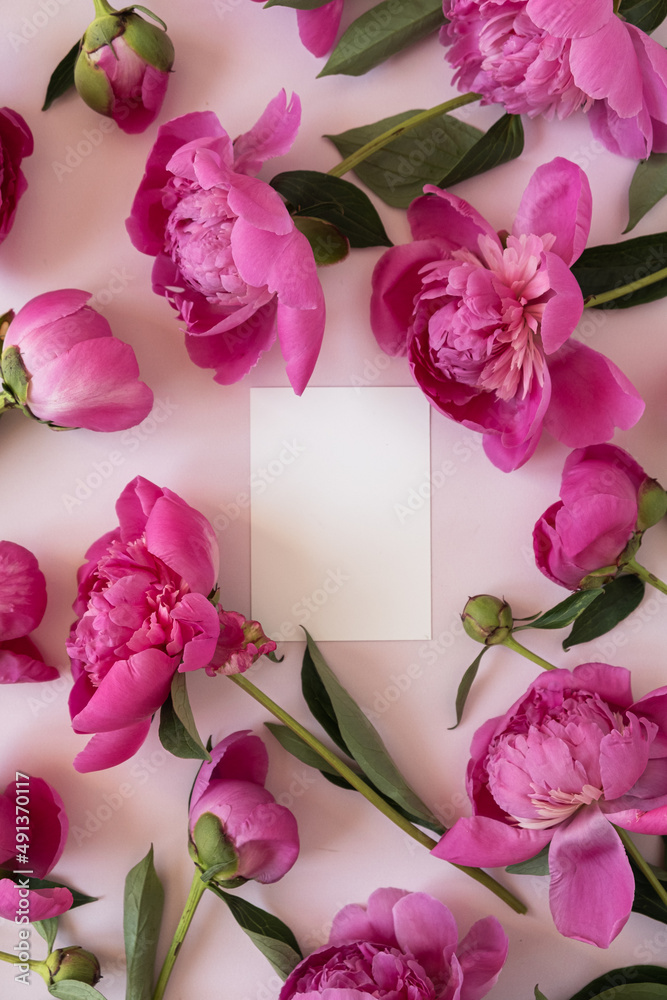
(103, 8)
(642, 864)
(511, 643)
(644, 575)
(361, 154)
(353, 778)
(197, 890)
(33, 965)
(618, 293)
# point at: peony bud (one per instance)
(213, 852)
(73, 963)
(487, 619)
(651, 504)
(123, 67)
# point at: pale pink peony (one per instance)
(22, 607)
(241, 819)
(401, 946)
(486, 319)
(78, 374)
(45, 835)
(16, 142)
(572, 758)
(539, 57)
(228, 256)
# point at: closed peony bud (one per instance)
(651, 504)
(123, 67)
(73, 963)
(487, 619)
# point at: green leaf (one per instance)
(70, 989)
(79, 899)
(465, 685)
(364, 742)
(298, 748)
(142, 916)
(648, 186)
(14, 374)
(537, 865)
(334, 200)
(646, 900)
(611, 986)
(501, 143)
(600, 269)
(327, 243)
(178, 731)
(539, 995)
(318, 701)
(381, 32)
(421, 155)
(273, 938)
(62, 77)
(47, 929)
(298, 4)
(564, 613)
(619, 598)
(644, 14)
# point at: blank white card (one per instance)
(340, 513)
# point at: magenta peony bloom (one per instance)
(485, 319)
(571, 757)
(228, 256)
(597, 515)
(142, 613)
(537, 57)
(401, 946)
(15, 143)
(22, 607)
(72, 371)
(234, 820)
(45, 828)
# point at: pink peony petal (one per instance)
(268, 845)
(46, 307)
(129, 693)
(489, 843)
(236, 351)
(300, 332)
(261, 207)
(570, 20)
(108, 749)
(439, 215)
(284, 263)
(318, 28)
(373, 922)
(396, 284)
(624, 756)
(482, 954)
(557, 200)
(240, 756)
(21, 662)
(181, 537)
(425, 928)
(605, 67)
(42, 903)
(272, 134)
(197, 612)
(22, 591)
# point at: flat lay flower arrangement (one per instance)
(464, 200)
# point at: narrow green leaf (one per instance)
(625, 976)
(142, 916)
(648, 186)
(501, 143)
(79, 899)
(318, 701)
(620, 597)
(564, 613)
(398, 172)
(295, 745)
(539, 995)
(644, 14)
(381, 32)
(465, 685)
(327, 243)
(298, 4)
(270, 935)
(334, 200)
(47, 929)
(364, 742)
(537, 865)
(600, 269)
(178, 731)
(62, 77)
(70, 989)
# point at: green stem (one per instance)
(511, 643)
(618, 293)
(33, 965)
(634, 567)
(353, 778)
(197, 890)
(361, 154)
(103, 8)
(642, 864)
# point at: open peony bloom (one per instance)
(574, 755)
(539, 57)
(228, 256)
(235, 825)
(485, 319)
(22, 607)
(45, 836)
(605, 498)
(401, 946)
(15, 142)
(64, 366)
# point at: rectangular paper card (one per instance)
(340, 513)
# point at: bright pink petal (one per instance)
(426, 929)
(612, 684)
(318, 28)
(439, 215)
(22, 591)
(590, 397)
(268, 844)
(489, 843)
(272, 134)
(183, 539)
(48, 306)
(260, 206)
(652, 822)
(629, 137)
(129, 693)
(233, 353)
(48, 823)
(198, 612)
(563, 310)
(132, 509)
(241, 756)
(42, 903)
(508, 458)
(557, 200)
(482, 954)
(396, 284)
(624, 756)
(570, 20)
(108, 749)
(592, 886)
(652, 59)
(300, 333)
(373, 922)
(21, 662)
(284, 263)
(605, 67)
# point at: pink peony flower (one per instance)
(45, 827)
(234, 820)
(597, 515)
(15, 143)
(228, 256)
(574, 755)
(537, 57)
(72, 371)
(401, 946)
(22, 607)
(485, 319)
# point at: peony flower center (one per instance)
(367, 969)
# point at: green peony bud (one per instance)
(73, 963)
(487, 619)
(213, 852)
(651, 504)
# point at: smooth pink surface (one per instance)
(16, 142)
